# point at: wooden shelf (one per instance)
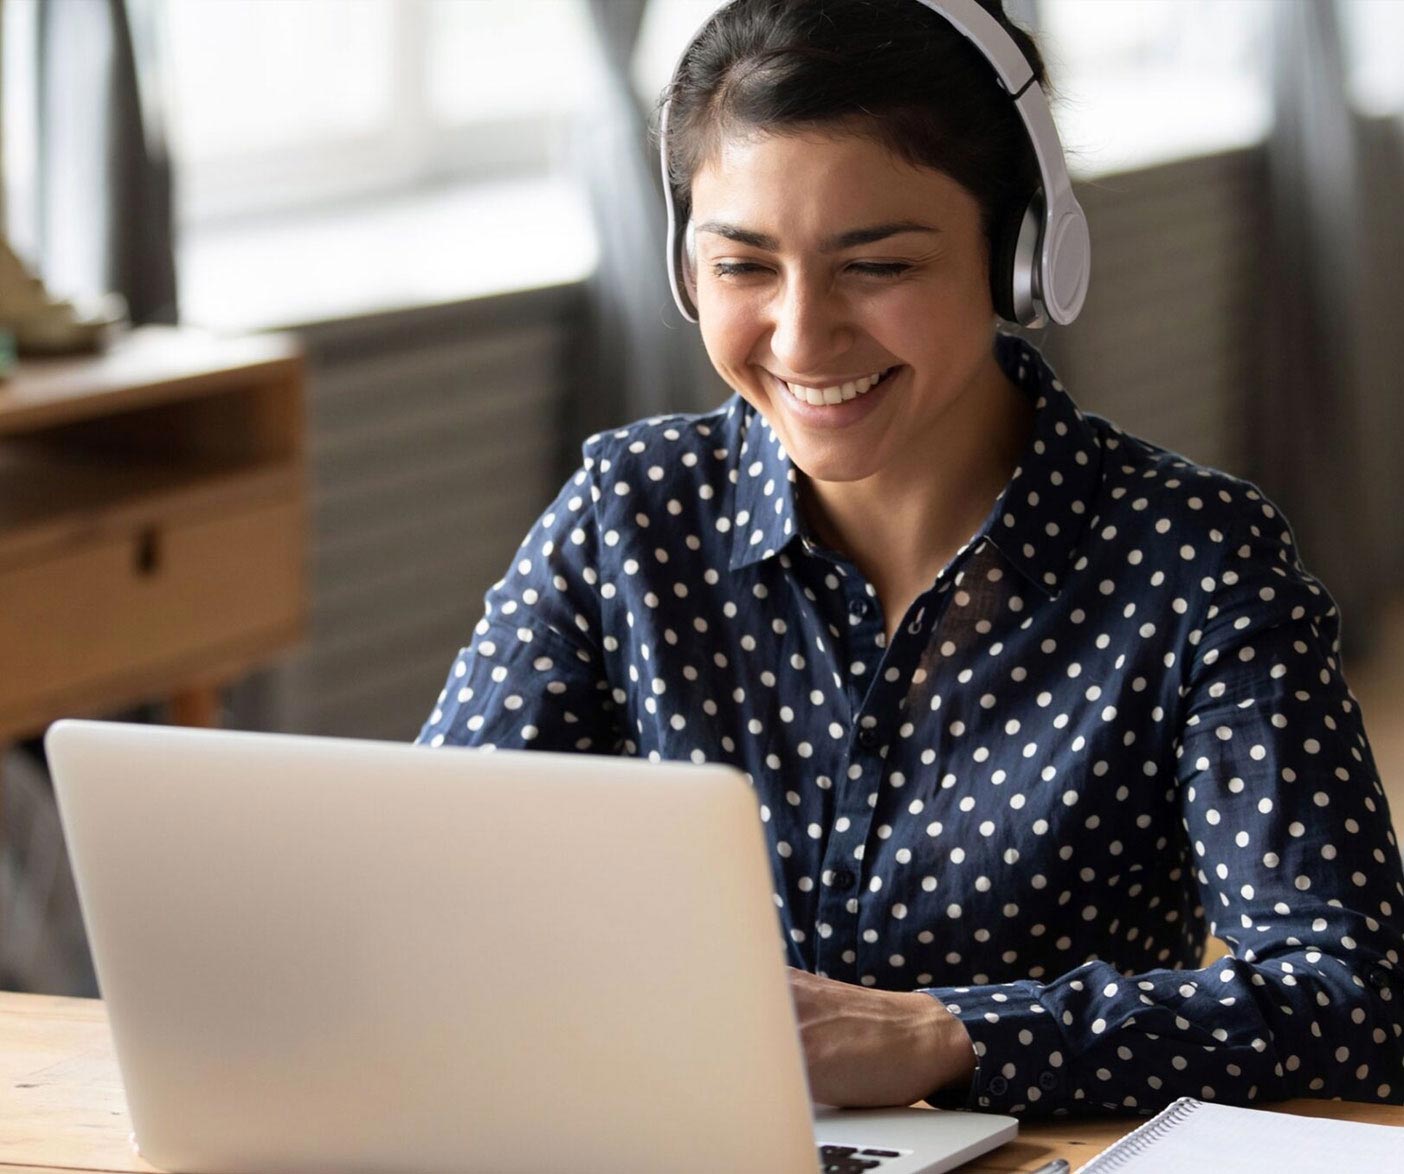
(151, 522)
(151, 366)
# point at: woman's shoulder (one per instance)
(1149, 488)
(684, 464)
(1201, 533)
(666, 439)
(678, 469)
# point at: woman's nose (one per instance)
(810, 329)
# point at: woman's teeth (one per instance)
(839, 393)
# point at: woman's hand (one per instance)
(867, 1048)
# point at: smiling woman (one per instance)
(1031, 706)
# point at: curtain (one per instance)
(1379, 343)
(1314, 428)
(104, 200)
(641, 357)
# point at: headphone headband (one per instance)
(1050, 269)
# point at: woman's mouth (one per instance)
(838, 393)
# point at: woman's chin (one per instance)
(832, 462)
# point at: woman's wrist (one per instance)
(950, 1060)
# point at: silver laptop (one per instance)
(325, 954)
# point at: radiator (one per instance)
(433, 442)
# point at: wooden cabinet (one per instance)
(151, 524)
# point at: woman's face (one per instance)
(825, 260)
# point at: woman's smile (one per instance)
(835, 405)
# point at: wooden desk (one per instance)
(62, 1109)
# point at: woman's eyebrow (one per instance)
(844, 240)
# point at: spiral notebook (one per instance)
(1195, 1135)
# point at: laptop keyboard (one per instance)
(849, 1159)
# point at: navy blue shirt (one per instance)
(1115, 720)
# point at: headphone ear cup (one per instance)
(1014, 256)
(1004, 247)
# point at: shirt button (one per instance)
(999, 1086)
(1375, 976)
(862, 607)
(868, 738)
(843, 879)
(1047, 1081)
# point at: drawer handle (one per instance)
(148, 553)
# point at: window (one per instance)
(1372, 35)
(302, 103)
(1140, 82)
(278, 105)
(283, 105)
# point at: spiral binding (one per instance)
(1137, 1142)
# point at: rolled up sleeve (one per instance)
(1298, 869)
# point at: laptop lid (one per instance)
(330, 954)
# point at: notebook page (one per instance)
(1193, 1136)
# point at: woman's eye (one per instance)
(866, 268)
(734, 268)
(879, 268)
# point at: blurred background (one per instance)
(411, 251)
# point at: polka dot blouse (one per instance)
(1114, 722)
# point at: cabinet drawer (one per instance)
(127, 606)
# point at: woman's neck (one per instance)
(901, 526)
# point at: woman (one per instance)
(1029, 703)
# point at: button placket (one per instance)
(880, 748)
(843, 875)
(854, 626)
(875, 704)
(841, 899)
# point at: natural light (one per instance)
(334, 109)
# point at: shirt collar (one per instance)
(1035, 522)
(1038, 519)
(764, 516)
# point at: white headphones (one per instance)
(1039, 267)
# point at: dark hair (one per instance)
(889, 69)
